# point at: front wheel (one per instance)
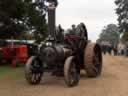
(71, 73)
(34, 70)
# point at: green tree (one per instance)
(20, 16)
(110, 33)
(35, 19)
(122, 12)
(11, 13)
(125, 37)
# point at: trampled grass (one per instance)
(9, 71)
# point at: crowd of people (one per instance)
(114, 50)
(109, 49)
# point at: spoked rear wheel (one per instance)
(71, 73)
(93, 60)
(33, 70)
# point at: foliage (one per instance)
(125, 37)
(122, 12)
(11, 13)
(110, 33)
(20, 16)
(35, 19)
(26, 36)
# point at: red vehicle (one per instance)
(13, 53)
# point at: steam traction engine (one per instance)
(65, 57)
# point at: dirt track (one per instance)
(112, 82)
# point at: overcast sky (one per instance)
(94, 13)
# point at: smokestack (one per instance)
(51, 19)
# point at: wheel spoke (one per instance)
(97, 62)
(73, 73)
(37, 76)
(94, 68)
(33, 78)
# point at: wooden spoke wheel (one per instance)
(33, 70)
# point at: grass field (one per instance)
(6, 70)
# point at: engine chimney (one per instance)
(51, 19)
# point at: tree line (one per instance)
(117, 33)
(19, 18)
